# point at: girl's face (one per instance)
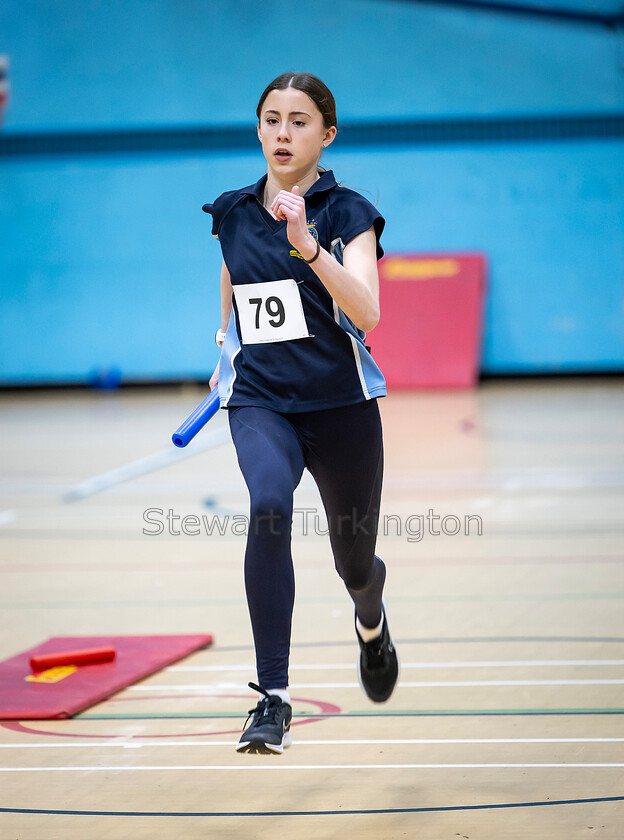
(292, 133)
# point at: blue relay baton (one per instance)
(197, 420)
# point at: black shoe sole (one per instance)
(262, 748)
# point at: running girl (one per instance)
(299, 289)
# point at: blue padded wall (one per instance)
(106, 259)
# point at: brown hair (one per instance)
(311, 85)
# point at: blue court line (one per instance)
(351, 812)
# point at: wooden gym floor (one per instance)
(509, 719)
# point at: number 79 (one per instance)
(274, 308)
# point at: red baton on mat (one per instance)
(85, 656)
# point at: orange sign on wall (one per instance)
(429, 335)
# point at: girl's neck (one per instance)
(275, 184)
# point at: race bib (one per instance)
(269, 312)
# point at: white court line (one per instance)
(521, 663)
(150, 463)
(161, 767)
(223, 686)
(351, 742)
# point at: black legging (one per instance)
(343, 449)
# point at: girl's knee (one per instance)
(270, 512)
(359, 576)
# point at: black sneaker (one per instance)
(269, 731)
(378, 665)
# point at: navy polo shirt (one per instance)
(329, 368)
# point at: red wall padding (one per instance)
(429, 335)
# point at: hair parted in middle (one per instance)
(311, 85)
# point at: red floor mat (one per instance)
(63, 692)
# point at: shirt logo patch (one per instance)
(313, 233)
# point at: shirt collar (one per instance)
(325, 183)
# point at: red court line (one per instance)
(324, 708)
